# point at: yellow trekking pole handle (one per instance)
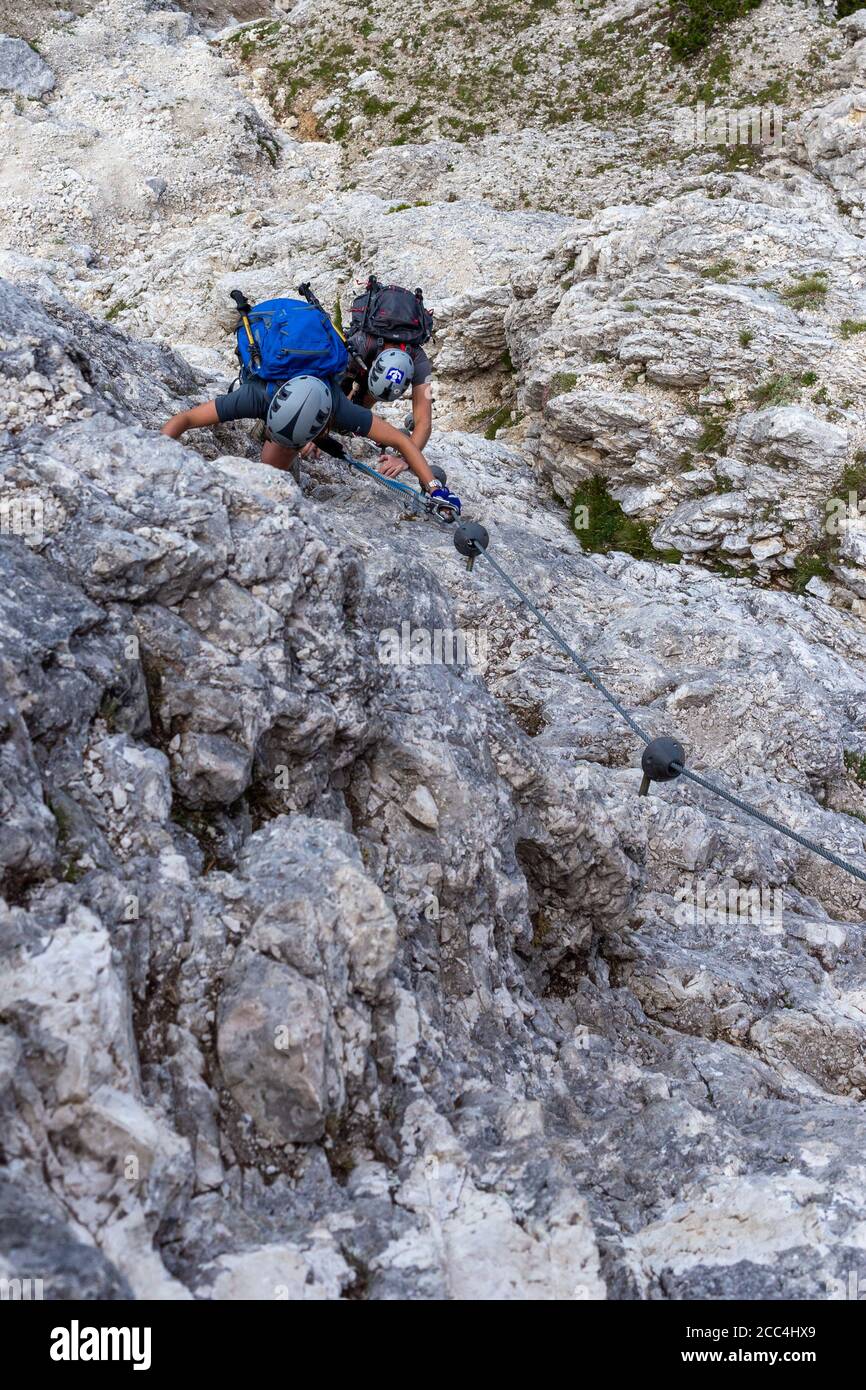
(244, 307)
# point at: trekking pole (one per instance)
(244, 308)
(306, 292)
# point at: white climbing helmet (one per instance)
(391, 374)
(300, 410)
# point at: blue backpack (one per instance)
(293, 338)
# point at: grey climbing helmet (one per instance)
(300, 410)
(391, 374)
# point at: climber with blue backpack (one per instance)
(292, 361)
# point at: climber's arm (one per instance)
(383, 433)
(195, 419)
(422, 414)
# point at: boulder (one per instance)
(23, 70)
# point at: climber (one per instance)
(292, 360)
(388, 327)
(301, 411)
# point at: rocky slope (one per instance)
(329, 975)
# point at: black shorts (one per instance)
(251, 400)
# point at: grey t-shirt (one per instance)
(423, 367)
(251, 400)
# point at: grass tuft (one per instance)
(560, 384)
(712, 436)
(610, 529)
(856, 764)
(807, 292)
(777, 390)
(694, 23)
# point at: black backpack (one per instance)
(390, 314)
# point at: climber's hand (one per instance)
(390, 466)
(310, 450)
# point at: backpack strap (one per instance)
(426, 316)
(372, 286)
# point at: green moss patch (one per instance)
(813, 562)
(854, 479)
(856, 764)
(712, 436)
(608, 528)
(499, 421)
(694, 23)
(817, 558)
(721, 270)
(560, 384)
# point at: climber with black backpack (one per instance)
(292, 361)
(388, 329)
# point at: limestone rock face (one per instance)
(278, 1077)
(832, 136)
(22, 70)
(338, 955)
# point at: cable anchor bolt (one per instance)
(662, 760)
(470, 538)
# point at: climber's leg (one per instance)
(279, 457)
